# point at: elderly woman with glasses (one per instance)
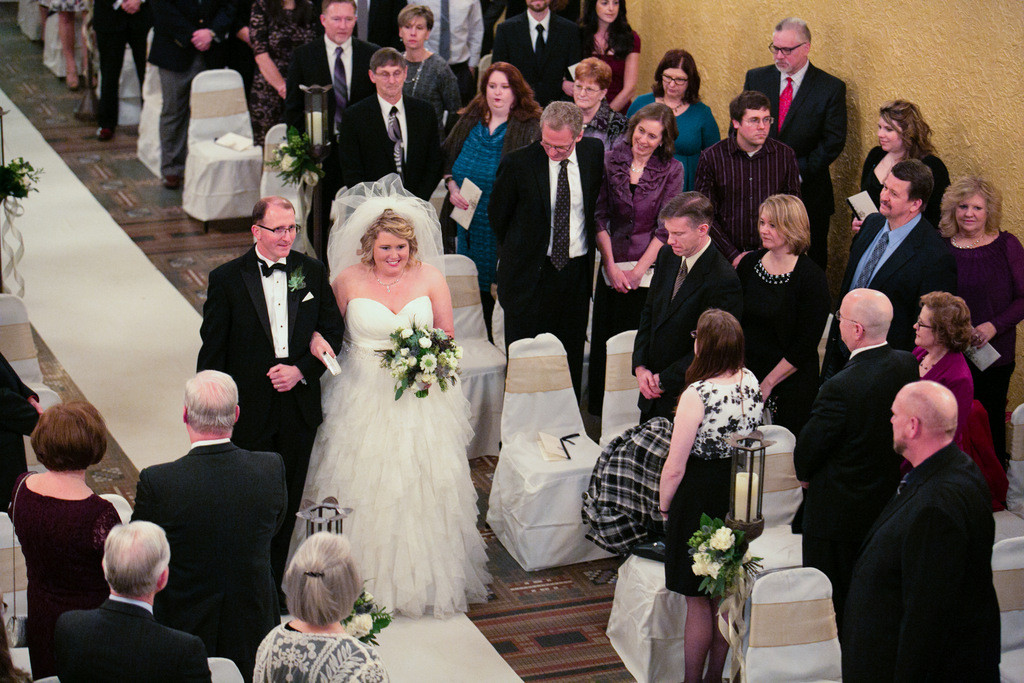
(677, 85)
(589, 92)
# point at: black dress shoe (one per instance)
(105, 134)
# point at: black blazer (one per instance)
(520, 215)
(237, 339)
(367, 153)
(845, 450)
(815, 128)
(309, 67)
(921, 605)
(663, 343)
(174, 22)
(121, 642)
(17, 419)
(921, 264)
(220, 506)
(545, 73)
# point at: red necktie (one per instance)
(785, 99)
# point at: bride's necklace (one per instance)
(972, 245)
(387, 285)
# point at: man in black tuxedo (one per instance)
(121, 642)
(809, 108)
(129, 24)
(899, 253)
(220, 506)
(320, 63)
(542, 212)
(844, 453)
(260, 314)
(390, 133)
(542, 45)
(690, 276)
(19, 412)
(922, 605)
(189, 36)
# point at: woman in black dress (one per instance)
(722, 398)
(785, 306)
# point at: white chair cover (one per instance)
(1008, 579)
(498, 322)
(219, 182)
(13, 575)
(792, 628)
(534, 506)
(129, 107)
(53, 56)
(778, 545)
(19, 349)
(28, 19)
(223, 670)
(124, 510)
(1008, 525)
(647, 622)
(148, 147)
(1015, 467)
(271, 184)
(483, 365)
(619, 411)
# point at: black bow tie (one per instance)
(269, 270)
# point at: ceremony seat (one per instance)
(778, 545)
(483, 365)
(13, 575)
(147, 148)
(129, 106)
(793, 634)
(124, 509)
(223, 670)
(1008, 579)
(1015, 467)
(534, 506)
(619, 410)
(28, 19)
(53, 55)
(271, 184)
(19, 348)
(219, 182)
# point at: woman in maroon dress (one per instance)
(606, 34)
(62, 525)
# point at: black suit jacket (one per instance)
(815, 128)
(921, 605)
(520, 215)
(220, 506)
(174, 22)
(309, 66)
(845, 450)
(119, 642)
(237, 338)
(663, 343)
(107, 19)
(17, 419)
(545, 72)
(921, 264)
(367, 153)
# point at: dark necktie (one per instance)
(362, 18)
(539, 45)
(268, 270)
(395, 133)
(785, 99)
(903, 483)
(560, 236)
(340, 88)
(680, 276)
(444, 47)
(872, 262)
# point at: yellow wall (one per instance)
(961, 62)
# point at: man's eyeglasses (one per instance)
(840, 318)
(785, 51)
(559, 149)
(766, 121)
(278, 232)
(672, 80)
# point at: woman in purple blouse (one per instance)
(942, 334)
(990, 278)
(640, 176)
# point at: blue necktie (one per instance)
(340, 88)
(872, 262)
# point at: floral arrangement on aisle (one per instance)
(17, 178)
(294, 160)
(421, 357)
(367, 619)
(721, 556)
(16, 181)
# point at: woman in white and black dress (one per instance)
(399, 464)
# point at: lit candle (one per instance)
(316, 127)
(746, 483)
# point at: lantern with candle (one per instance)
(745, 483)
(318, 126)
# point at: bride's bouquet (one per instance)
(421, 357)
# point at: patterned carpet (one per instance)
(548, 625)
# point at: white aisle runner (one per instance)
(129, 341)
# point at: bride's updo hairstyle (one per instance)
(393, 223)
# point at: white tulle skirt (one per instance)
(401, 465)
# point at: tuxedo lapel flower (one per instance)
(297, 280)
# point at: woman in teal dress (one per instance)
(677, 85)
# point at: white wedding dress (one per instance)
(401, 465)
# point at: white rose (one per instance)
(700, 564)
(287, 162)
(405, 352)
(703, 547)
(722, 539)
(367, 596)
(713, 569)
(425, 342)
(747, 557)
(310, 178)
(410, 361)
(406, 333)
(360, 625)
(428, 361)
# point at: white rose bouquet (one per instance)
(720, 555)
(367, 619)
(294, 160)
(421, 357)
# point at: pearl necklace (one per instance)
(387, 286)
(972, 245)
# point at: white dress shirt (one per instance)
(385, 110)
(798, 78)
(577, 234)
(692, 260)
(346, 59)
(132, 601)
(545, 22)
(466, 25)
(275, 290)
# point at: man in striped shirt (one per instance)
(740, 172)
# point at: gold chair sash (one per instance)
(779, 474)
(618, 373)
(465, 290)
(1017, 442)
(536, 374)
(217, 103)
(779, 624)
(1009, 584)
(16, 341)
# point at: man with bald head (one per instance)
(844, 454)
(921, 604)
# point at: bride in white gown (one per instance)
(401, 465)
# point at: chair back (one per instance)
(1015, 466)
(16, 341)
(218, 106)
(782, 491)
(793, 633)
(148, 147)
(223, 670)
(538, 391)
(461, 274)
(124, 509)
(1008, 579)
(619, 410)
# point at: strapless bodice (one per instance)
(369, 323)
